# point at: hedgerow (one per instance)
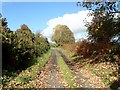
(21, 47)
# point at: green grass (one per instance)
(67, 74)
(31, 72)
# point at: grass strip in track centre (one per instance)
(67, 74)
(30, 73)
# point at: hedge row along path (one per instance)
(51, 77)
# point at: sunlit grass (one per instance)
(67, 74)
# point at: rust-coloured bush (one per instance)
(87, 49)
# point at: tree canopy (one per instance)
(105, 25)
(62, 35)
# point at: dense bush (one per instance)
(20, 48)
(98, 51)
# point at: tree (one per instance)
(104, 27)
(7, 45)
(62, 35)
(101, 30)
(41, 44)
(20, 48)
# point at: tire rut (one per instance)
(51, 77)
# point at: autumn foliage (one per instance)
(62, 35)
(86, 49)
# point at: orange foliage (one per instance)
(71, 47)
(86, 49)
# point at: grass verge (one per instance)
(21, 80)
(67, 74)
(104, 71)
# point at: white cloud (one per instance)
(81, 36)
(74, 21)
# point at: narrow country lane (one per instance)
(63, 45)
(51, 77)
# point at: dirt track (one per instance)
(50, 76)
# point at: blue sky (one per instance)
(35, 15)
(39, 16)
